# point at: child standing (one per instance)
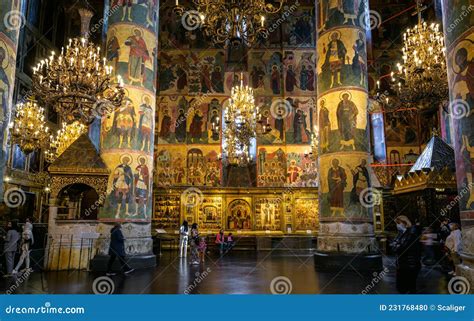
(202, 249)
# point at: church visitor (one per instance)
(454, 246)
(220, 241)
(11, 245)
(117, 249)
(408, 250)
(26, 243)
(183, 239)
(230, 241)
(202, 249)
(194, 244)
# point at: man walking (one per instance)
(117, 249)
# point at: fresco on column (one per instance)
(344, 171)
(128, 134)
(13, 20)
(344, 176)
(343, 121)
(459, 34)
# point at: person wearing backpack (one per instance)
(26, 243)
(11, 245)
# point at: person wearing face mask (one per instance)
(408, 249)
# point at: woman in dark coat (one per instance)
(408, 249)
(117, 249)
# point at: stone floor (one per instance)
(235, 273)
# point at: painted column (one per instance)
(344, 191)
(127, 134)
(458, 17)
(11, 21)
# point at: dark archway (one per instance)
(78, 202)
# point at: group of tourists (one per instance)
(17, 241)
(408, 248)
(197, 242)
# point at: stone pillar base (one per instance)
(466, 270)
(335, 262)
(99, 262)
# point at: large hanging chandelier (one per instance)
(230, 22)
(422, 77)
(78, 83)
(65, 136)
(240, 117)
(28, 129)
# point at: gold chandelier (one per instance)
(67, 135)
(234, 21)
(240, 118)
(78, 83)
(28, 129)
(423, 75)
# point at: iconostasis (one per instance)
(194, 81)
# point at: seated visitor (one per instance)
(230, 241)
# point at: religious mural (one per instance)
(267, 214)
(346, 176)
(132, 54)
(273, 111)
(9, 31)
(342, 121)
(170, 165)
(342, 59)
(203, 166)
(301, 167)
(239, 214)
(271, 167)
(187, 72)
(461, 63)
(299, 73)
(266, 72)
(300, 120)
(130, 187)
(401, 128)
